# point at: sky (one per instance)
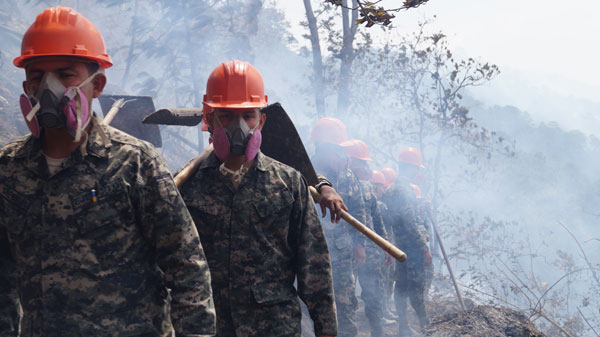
(548, 51)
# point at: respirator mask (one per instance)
(362, 173)
(236, 139)
(55, 106)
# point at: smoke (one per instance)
(514, 175)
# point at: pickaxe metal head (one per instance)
(175, 116)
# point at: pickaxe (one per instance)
(126, 112)
(279, 136)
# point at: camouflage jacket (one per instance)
(374, 216)
(424, 218)
(101, 265)
(383, 210)
(258, 239)
(348, 187)
(401, 203)
(9, 300)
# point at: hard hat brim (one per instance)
(243, 105)
(23, 60)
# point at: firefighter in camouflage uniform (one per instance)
(256, 219)
(379, 185)
(409, 235)
(91, 222)
(371, 274)
(346, 245)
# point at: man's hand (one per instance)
(388, 259)
(332, 200)
(359, 257)
(428, 258)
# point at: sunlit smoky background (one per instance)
(515, 195)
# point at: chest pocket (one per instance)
(15, 219)
(211, 213)
(111, 207)
(272, 216)
(17, 215)
(270, 205)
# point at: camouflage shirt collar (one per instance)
(95, 145)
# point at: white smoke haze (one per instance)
(506, 183)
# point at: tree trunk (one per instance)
(346, 56)
(317, 59)
(132, 45)
(195, 82)
(436, 171)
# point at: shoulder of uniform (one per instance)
(124, 141)
(366, 185)
(278, 170)
(17, 148)
(281, 167)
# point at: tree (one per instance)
(372, 15)
(332, 73)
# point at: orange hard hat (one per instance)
(378, 178)
(329, 130)
(417, 190)
(410, 155)
(234, 85)
(62, 31)
(356, 148)
(390, 175)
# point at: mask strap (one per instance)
(237, 174)
(35, 108)
(31, 113)
(83, 146)
(98, 123)
(78, 112)
(89, 79)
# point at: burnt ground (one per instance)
(482, 321)
(447, 320)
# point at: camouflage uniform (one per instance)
(342, 238)
(9, 309)
(370, 275)
(89, 267)
(410, 276)
(426, 230)
(388, 271)
(258, 238)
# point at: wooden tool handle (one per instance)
(192, 166)
(110, 115)
(394, 251)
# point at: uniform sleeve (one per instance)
(313, 267)
(323, 180)
(9, 304)
(402, 214)
(169, 226)
(356, 207)
(378, 223)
